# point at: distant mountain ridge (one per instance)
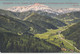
(69, 18)
(41, 7)
(34, 7)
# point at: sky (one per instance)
(51, 3)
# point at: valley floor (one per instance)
(55, 37)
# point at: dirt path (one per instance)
(28, 16)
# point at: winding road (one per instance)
(67, 41)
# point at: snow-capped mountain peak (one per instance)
(35, 7)
(43, 8)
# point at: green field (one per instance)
(59, 40)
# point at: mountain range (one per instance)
(39, 28)
(41, 7)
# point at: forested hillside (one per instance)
(73, 33)
(70, 18)
(10, 42)
(36, 31)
